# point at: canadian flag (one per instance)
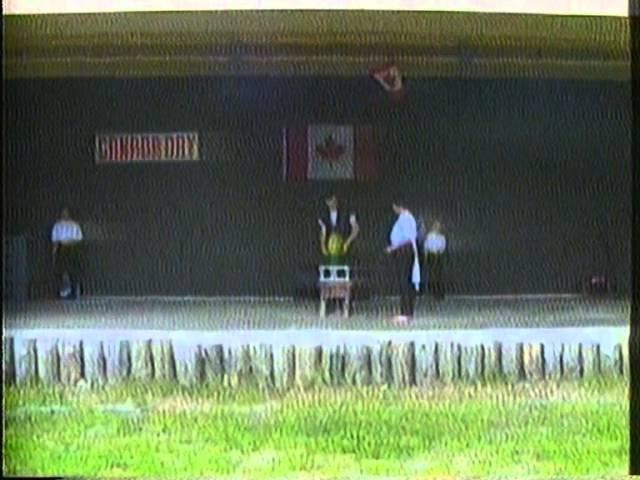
(389, 77)
(330, 152)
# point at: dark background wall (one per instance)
(531, 179)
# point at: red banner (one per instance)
(147, 147)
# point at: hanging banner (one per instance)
(330, 152)
(147, 147)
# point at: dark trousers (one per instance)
(403, 259)
(68, 269)
(435, 275)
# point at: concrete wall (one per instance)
(530, 177)
(280, 359)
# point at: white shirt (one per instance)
(334, 217)
(405, 230)
(66, 231)
(435, 243)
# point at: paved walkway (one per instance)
(209, 314)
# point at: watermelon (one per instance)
(335, 250)
(335, 245)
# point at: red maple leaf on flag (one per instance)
(330, 150)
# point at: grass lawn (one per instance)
(134, 430)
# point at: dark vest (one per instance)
(342, 226)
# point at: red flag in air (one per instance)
(389, 77)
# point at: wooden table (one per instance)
(340, 290)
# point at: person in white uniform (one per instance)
(403, 250)
(435, 247)
(66, 238)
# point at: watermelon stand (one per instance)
(335, 279)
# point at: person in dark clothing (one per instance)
(435, 247)
(337, 233)
(335, 225)
(66, 238)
